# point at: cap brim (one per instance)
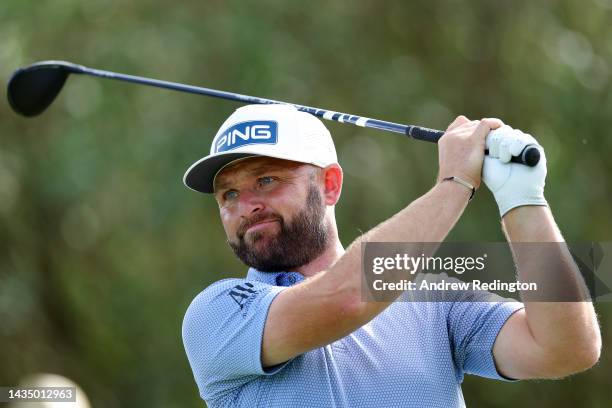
(201, 175)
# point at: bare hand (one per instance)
(461, 148)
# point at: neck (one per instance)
(330, 255)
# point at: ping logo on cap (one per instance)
(246, 133)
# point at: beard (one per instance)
(299, 240)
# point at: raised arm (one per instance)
(329, 306)
(546, 339)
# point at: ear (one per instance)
(332, 183)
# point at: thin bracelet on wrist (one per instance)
(463, 183)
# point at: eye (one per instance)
(230, 195)
(265, 181)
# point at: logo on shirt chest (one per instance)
(243, 295)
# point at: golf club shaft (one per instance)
(416, 132)
(32, 89)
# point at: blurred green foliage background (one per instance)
(102, 248)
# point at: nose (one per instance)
(250, 202)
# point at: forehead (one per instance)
(252, 166)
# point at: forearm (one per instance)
(427, 219)
(565, 329)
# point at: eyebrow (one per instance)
(258, 171)
(219, 185)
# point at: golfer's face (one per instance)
(255, 195)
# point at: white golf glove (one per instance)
(513, 184)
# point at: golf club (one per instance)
(33, 88)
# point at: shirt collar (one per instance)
(275, 278)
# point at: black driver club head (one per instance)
(33, 88)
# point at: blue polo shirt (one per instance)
(413, 354)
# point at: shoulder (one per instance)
(222, 331)
(211, 293)
(221, 294)
(225, 299)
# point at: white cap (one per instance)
(279, 131)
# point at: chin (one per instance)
(258, 241)
(257, 237)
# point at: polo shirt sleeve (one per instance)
(474, 322)
(223, 332)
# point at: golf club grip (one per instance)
(529, 156)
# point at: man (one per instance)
(296, 331)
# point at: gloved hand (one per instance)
(513, 184)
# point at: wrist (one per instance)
(454, 189)
(508, 199)
(472, 181)
(510, 203)
(466, 185)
